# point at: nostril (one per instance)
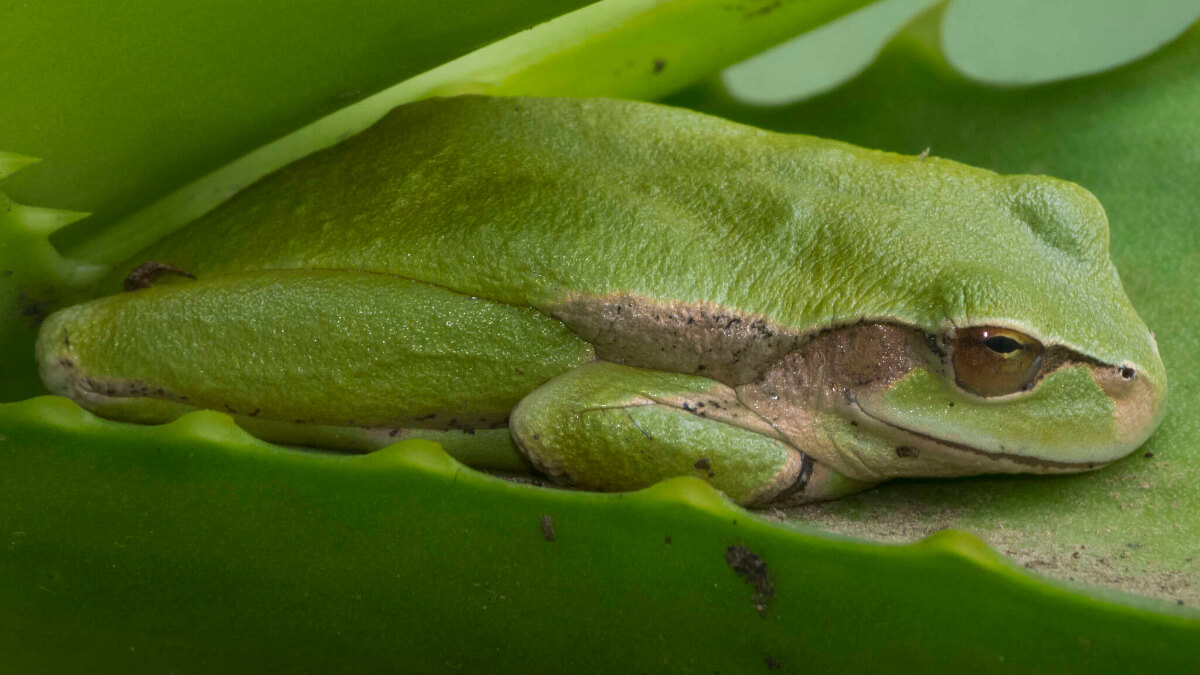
(1127, 372)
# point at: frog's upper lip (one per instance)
(1045, 465)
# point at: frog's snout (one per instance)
(1139, 397)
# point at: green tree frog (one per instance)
(615, 292)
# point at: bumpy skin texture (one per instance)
(772, 265)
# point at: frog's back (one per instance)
(551, 202)
(521, 200)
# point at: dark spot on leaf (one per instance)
(547, 528)
(754, 570)
(659, 64)
(33, 311)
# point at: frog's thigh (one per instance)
(328, 358)
(609, 427)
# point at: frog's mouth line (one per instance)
(1046, 465)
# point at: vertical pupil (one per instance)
(1002, 344)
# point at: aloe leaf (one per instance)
(191, 547)
(33, 278)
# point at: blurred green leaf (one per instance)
(815, 62)
(126, 101)
(1003, 42)
(1031, 41)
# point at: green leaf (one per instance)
(192, 547)
(815, 62)
(127, 101)
(1130, 136)
(1030, 41)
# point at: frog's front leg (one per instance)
(608, 427)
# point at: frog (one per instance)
(609, 293)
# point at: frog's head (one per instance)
(1016, 350)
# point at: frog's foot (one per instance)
(609, 427)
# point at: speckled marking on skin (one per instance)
(703, 339)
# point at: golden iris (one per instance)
(993, 361)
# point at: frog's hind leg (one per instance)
(333, 359)
(609, 427)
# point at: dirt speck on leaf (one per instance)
(754, 570)
(31, 310)
(547, 528)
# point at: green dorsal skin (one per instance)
(538, 201)
(830, 315)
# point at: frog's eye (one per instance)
(992, 361)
